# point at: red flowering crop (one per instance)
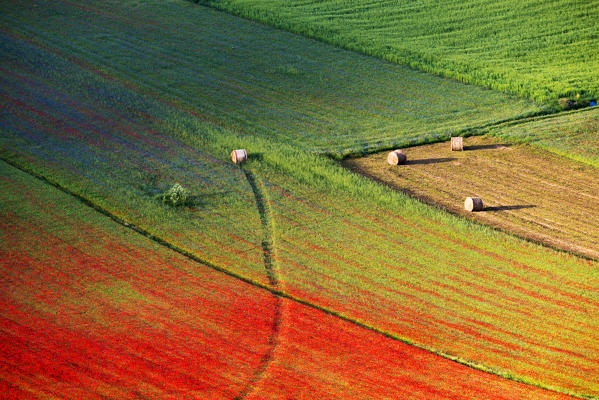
(89, 309)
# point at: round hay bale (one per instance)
(457, 143)
(473, 204)
(396, 157)
(239, 156)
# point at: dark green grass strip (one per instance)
(278, 292)
(484, 129)
(263, 205)
(530, 118)
(465, 132)
(264, 210)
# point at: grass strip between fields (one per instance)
(573, 134)
(276, 291)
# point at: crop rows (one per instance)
(483, 296)
(89, 140)
(258, 80)
(542, 50)
(93, 310)
(342, 242)
(321, 356)
(402, 276)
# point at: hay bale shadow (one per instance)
(255, 156)
(487, 146)
(507, 208)
(204, 200)
(429, 161)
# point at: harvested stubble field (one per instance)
(531, 192)
(91, 309)
(83, 112)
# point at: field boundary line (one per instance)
(271, 267)
(279, 293)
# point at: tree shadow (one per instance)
(487, 146)
(256, 156)
(506, 208)
(205, 199)
(429, 161)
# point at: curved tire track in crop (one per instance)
(270, 265)
(263, 205)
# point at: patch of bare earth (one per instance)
(527, 191)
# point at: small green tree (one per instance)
(175, 196)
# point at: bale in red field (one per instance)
(239, 156)
(396, 157)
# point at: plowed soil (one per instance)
(527, 191)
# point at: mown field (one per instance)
(540, 50)
(79, 115)
(91, 309)
(533, 193)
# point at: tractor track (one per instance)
(271, 267)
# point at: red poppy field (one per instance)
(93, 310)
